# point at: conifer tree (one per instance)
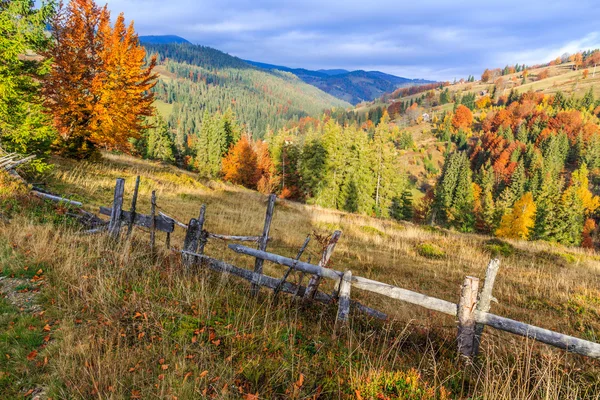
(24, 127)
(160, 144)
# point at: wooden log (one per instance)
(15, 164)
(162, 224)
(270, 282)
(344, 300)
(485, 299)
(152, 220)
(262, 244)
(235, 238)
(7, 160)
(114, 226)
(133, 204)
(288, 262)
(289, 270)
(56, 198)
(315, 280)
(466, 316)
(201, 233)
(565, 342)
(190, 243)
(408, 296)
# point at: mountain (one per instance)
(351, 86)
(196, 79)
(162, 39)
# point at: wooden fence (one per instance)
(471, 311)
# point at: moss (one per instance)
(372, 231)
(499, 248)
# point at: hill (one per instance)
(143, 326)
(195, 80)
(351, 86)
(162, 39)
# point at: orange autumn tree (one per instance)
(240, 165)
(463, 118)
(268, 181)
(518, 222)
(98, 88)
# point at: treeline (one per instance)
(209, 80)
(348, 167)
(525, 169)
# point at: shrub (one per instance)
(499, 247)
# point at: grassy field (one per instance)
(127, 324)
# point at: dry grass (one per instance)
(123, 315)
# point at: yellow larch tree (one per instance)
(518, 222)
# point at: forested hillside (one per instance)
(196, 79)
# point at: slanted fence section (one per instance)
(471, 310)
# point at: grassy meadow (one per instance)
(122, 323)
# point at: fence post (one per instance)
(114, 226)
(289, 270)
(200, 235)
(262, 244)
(133, 204)
(315, 280)
(485, 299)
(344, 300)
(466, 316)
(153, 220)
(190, 243)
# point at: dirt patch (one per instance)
(22, 293)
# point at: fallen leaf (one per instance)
(300, 381)
(187, 375)
(46, 328)
(250, 396)
(32, 355)
(136, 394)
(203, 374)
(165, 366)
(216, 342)
(161, 377)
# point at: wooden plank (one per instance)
(133, 204)
(262, 244)
(114, 226)
(485, 299)
(15, 164)
(270, 282)
(565, 342)
(162, 224)
(288, 262)
(180, 224)
(315, 280)
(289, 270)
(344, 300)
(408, 296)
(56, 198)
(201, 233)
(153, 220)
(466, 316)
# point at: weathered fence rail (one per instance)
(471, 311)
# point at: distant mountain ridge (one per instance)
(351, 86)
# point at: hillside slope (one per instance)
(195, 79)
(187, 334)
(351, 86)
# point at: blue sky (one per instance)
(417, 39)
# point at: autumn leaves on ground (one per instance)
(118, 322)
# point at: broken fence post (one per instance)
(485, 299)
(190, 243)
(201, 235)
(152, 220)
(466, 316)
(114, 226)
(133, 204)
(315, 280)
(262, 244)
(344, 300)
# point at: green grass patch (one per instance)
(372, 231)
(499, 248)
(430, 250)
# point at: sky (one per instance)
(438, 40)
